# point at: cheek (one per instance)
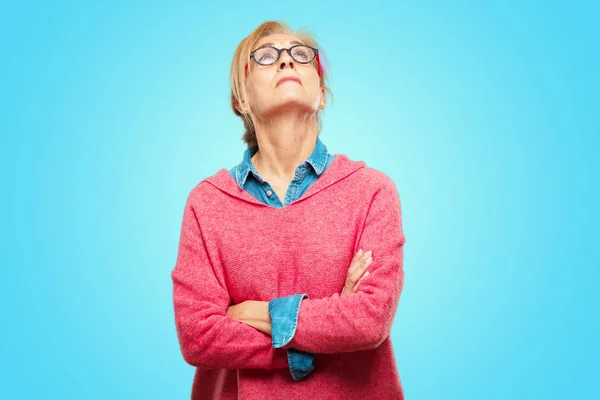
(315, 87)
(258, 86)
(315, 83)
(253, 92)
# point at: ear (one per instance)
(241, 107)
(323, 98)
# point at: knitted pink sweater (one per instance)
(234, 248)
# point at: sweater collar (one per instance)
(340, 167)
(318, 160)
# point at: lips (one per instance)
(289, 78)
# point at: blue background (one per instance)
(485, 114)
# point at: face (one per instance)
(268, 96)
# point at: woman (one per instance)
(266, 286)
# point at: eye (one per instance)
(266, 56)
(301, 54)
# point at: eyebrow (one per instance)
(271, 43)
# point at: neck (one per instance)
(285, 141)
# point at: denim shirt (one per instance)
(284, 310)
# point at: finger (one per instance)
(358, 260)
(354, 270)
(359, 273)
(358, 254)
(353, 266)
(355, 287)
(360, 280)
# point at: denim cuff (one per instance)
(301, 363)
(284, 318)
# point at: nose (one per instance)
(286, 59)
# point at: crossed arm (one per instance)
(256, 313)
(210, 338)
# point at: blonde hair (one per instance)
(242, 56)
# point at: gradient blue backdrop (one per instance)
(485, 116)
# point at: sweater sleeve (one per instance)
(283, 312)
(361, 320)
(208, 338)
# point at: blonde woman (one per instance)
(272, 297)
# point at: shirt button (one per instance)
(269, 193)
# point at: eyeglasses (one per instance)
(268, 55)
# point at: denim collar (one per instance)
(318, 160)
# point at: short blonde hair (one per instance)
(242, 56)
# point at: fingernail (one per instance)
(369, 252)
(360, 251)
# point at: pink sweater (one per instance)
(234, 248)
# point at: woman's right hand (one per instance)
(355, 275)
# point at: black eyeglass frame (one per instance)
(289, 51)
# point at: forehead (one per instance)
(279, 40)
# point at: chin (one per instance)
(293, 104)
